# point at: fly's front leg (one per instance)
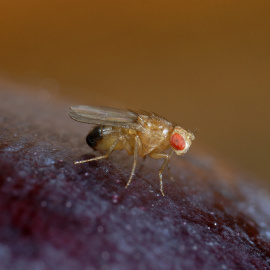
(169, 167)
(101, 157)
(136, 151)
(167, 158)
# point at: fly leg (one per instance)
(136, 150)
(169, 168)
(101, 157)
(167, 158)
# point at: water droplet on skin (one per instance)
(115, 198)
(105, 255)
(68, 204)
(182, 247)
(100, 229)
(43, 203)
(128, 227)
(49, 161)
(267, 233)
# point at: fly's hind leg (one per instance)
(136, 151)
(101, 157)
(167, 158)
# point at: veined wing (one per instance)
(105, 116)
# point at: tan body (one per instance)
(154, 138)
(140, 133)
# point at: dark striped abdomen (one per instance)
(94, 137)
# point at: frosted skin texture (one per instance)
(56, 215)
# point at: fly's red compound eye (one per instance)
(177, 141)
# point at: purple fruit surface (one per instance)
(57, 215)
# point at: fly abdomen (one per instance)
(94, 137)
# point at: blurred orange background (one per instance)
(203, 64)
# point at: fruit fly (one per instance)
(140, 133)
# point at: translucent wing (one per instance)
(105, 116)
